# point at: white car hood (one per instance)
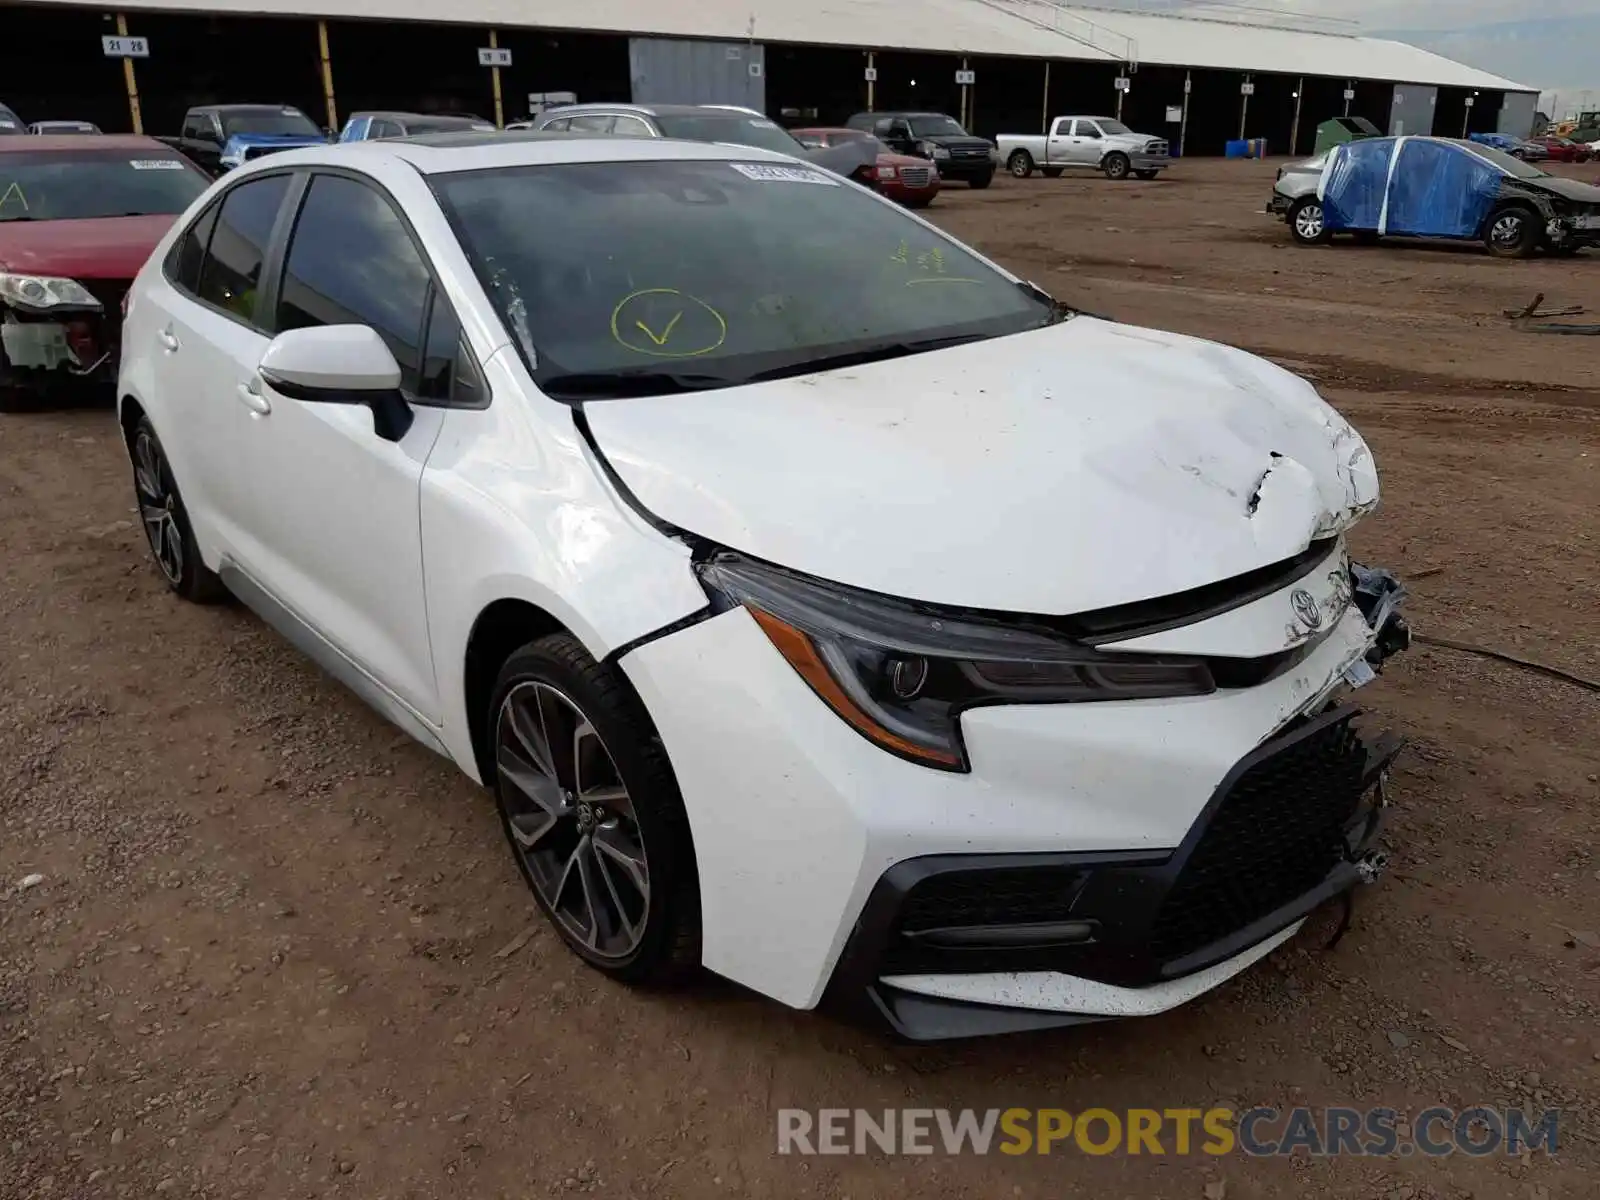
(1058, 471)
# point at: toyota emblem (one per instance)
(1306, 608)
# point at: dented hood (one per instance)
(1067, 469)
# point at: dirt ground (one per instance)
(280, 951)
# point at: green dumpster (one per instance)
(1339, 130)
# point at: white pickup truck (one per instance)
(1099, 143)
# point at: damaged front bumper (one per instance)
(1099, 860)
(63, 345)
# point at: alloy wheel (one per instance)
(1308, 222)
(571, 820)
(157, 507)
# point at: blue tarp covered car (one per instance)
(1436, 188)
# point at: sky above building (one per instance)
(1554, 47)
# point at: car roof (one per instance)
(235, 108)
(106, 143)
(647, 110)
(439, 153)
(398, 115)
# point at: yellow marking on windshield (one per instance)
(14, 190)
(665, 333)
(695, 328)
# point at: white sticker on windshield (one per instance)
(762, 123)
(774, 173)
(155, 164)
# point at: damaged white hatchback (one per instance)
(821, 603)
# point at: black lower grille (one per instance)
(1274, 837)
(1006, 896)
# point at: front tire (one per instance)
(1020, 164)
(166, 521)
(1511, 232)
(1116, 166)
(593, 814)
(1306, 223)
(978, 182)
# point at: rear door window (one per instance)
(191, 251)
(230, 273)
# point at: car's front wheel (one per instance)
(1020, 164)
(1512, 232)
(1116, 166)
(1306, 223)
(592, 811)
(166, 521)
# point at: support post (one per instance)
(494, 74)
(1244, 110)
(1120, 95)
(129, 78)
(1183, 127)
(1349, 86)
(966, 100)
(327, 77)
(872, 81)
(1294, 126)
(1044, 114)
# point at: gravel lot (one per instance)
(278, 950)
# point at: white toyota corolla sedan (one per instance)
(822, 604)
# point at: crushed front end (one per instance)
(58, 333)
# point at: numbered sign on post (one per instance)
(494, 56)
(1349, 93)
(1247, 89)
(1123, 83)
(966, 78)
(125, 47)
(871, 75)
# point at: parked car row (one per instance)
(624, 485)
(1427, 187)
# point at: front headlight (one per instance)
(901, 673)
(887, 172)
(941, 152)
(44, 291)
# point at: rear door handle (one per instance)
(250, 393)
(167, 339)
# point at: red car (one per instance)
(78, 218)
(1564, 149)
(912, 181)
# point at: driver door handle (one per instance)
(250, 393)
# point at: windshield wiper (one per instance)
(867, 354)
(625, 384)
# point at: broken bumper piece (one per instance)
(36, 349)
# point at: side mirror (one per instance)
(340, 364)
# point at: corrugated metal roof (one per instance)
(1024, 28)
(1199, 41)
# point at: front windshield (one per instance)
(74, 185)
(1108, 126)
(741, 129)
(1512, 165)
(705, 274)
(936, 125)
(289, 122)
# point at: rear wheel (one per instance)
(1020, 164)
(1306, 223)
(979, 182)
(1116, 166)
(593, 814)
(166, 521)
(1511, 232)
